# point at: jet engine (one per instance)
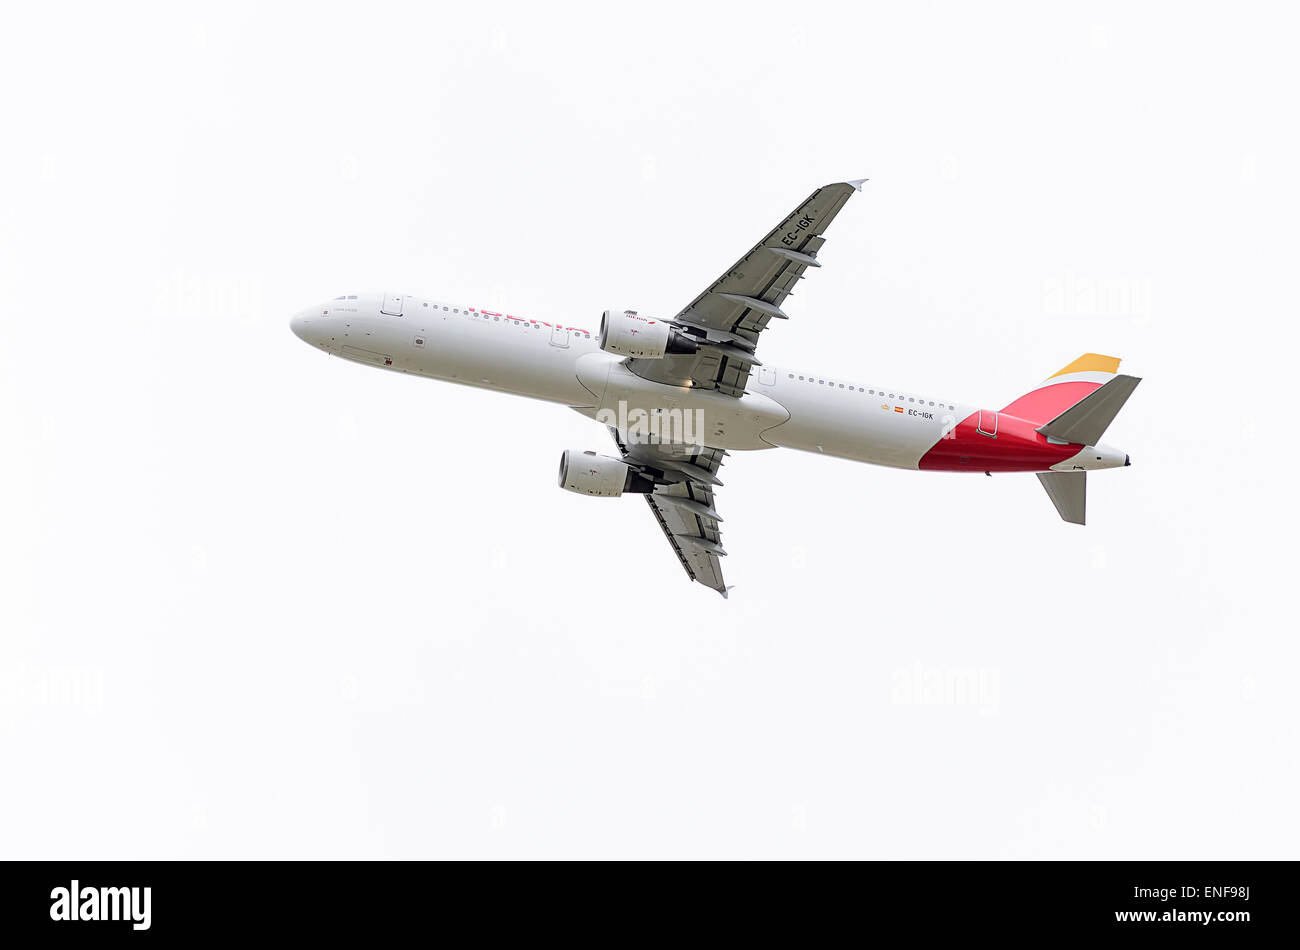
(590, 474)
(624, 333)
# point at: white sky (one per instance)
(256, 602)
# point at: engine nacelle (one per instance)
(590, 474)
(624, 333)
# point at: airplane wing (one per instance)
(726, 319)
(684, 506)
(738, 305)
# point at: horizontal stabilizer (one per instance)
(1069, 493)
(1085, 421)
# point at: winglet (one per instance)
(857, 183)
(725, 591)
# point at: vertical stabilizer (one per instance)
(1069, 493)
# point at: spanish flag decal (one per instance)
(898, 408)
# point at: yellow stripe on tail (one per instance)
(1056, 394)
(1090, 363)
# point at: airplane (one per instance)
(679, 394)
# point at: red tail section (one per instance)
(1064, 388)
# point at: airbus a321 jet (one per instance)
(678, 394)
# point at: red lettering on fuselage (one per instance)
(511, 316)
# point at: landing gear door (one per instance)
(392, 305)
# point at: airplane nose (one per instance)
(312, 326)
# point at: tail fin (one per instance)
(1069, 493)
(1065, 387)
(1080, 421)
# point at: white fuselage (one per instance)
(781, 407)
